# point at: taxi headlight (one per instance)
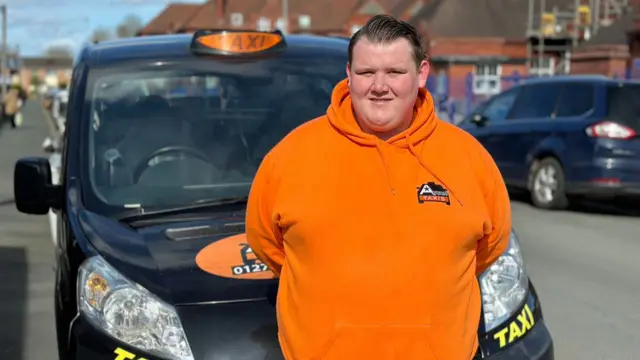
(129, 312)
(504, 285)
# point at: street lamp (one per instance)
(3, 68)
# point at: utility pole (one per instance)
(576, 24)
(4, 68)
(595, 17)
(285, 15)
(541, 37)
(530, 34)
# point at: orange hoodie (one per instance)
(378, 243)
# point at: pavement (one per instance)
(26, 253)
(584, 264)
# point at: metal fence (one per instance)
(455, 97)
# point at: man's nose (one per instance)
(379, 85)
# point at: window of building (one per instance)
(236, 19)
(264, 24)
(486, 79)
(545, 68)
(304, 21)
(282, 25)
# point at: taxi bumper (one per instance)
(90, 343)
(524, 337)
(237, 331)
(537, 345)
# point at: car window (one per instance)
(536, 101)
(500, 106)
(198, 129)
(624, 106)
(577, 99)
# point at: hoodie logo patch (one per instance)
(432, 192)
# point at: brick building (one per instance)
(490, 43)
(474, 45)
(322, 17)
(48, 71)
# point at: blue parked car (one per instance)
(564, 137)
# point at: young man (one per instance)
(378, 216)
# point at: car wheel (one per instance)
(547, 185)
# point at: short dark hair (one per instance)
(386, 29)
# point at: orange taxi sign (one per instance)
(232, 257)
(237, 42)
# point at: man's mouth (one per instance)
(380, 100)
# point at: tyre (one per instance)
(547, 185)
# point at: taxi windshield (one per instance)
(174, 135)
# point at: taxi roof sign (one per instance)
(235, 42)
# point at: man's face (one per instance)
(384, 83)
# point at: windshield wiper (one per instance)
(141, 214)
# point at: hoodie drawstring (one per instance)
(414, 152)
(386, 170)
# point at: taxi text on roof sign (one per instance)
(235, 42)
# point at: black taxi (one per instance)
(164, 135)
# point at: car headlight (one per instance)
(504, 285)
(129, 312)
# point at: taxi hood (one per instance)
(184, 262)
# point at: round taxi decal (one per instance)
(232, 257)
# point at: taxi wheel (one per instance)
(547, 185)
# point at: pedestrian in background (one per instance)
(12, 102)
(377, 217)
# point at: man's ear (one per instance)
(348, 71)
(423, 73)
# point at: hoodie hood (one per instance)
(340, 115)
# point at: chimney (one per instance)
(220, 11)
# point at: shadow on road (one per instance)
(602, 207)
(7, 202)
(13, 301)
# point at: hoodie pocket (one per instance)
(380, 342)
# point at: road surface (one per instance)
(584, 265)
(586, 269)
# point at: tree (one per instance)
(129, 27)
(100, 34)
(59, 51)
(35, 80)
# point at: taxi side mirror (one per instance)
(33, 190)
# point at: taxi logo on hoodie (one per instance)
(432, 192)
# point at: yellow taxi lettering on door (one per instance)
(123, 354)
(517, 328)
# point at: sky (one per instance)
(34, 25)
